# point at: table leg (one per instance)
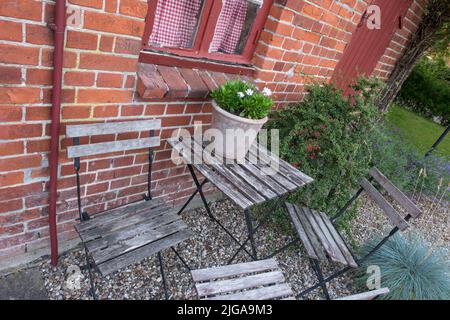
(262, 220)
(248, 220)
(199, 189)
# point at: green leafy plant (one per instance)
(327, 137)
(243, 99)
(410, 268)
(427, 89)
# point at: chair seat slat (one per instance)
(324, 235)
(265, 293)
(230, 285)
(301, 232)
(143, 252)
(233, 270)
(370, 295)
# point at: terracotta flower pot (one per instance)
(238, 133)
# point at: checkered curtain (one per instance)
(229, 26)
(175, 23)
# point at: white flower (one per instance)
(249, 92)
(267, 92)
(241, 94)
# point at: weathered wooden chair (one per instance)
(322, 240)
(117, 238)
(257, 280)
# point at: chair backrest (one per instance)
(370, 295)
(83, 130)
(394, 217)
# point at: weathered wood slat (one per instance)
(233, 270)
(265, 293)
(301, 231)
(83, 130)
(158, 215)
(141, 231)
(123, 212)
(394, 217)
(113, 146)
(242, 185)
(335, 250)
(278, 177)
(395, 193)
(339, 241)
(127, 242)
(225, 286)
(221, 183)
(279, 189)
(370, 295)
(143, 252)
(253, 181)
(314, 240)
(286, 167)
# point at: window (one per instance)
(220, 30)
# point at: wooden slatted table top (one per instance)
(261, 177)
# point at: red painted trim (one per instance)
(205, 34)
(185, 62)
(367, 47)
(59, 29)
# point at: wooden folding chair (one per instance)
(257, 280)
(322, 241)
(119, 237)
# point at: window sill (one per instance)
(157, 82)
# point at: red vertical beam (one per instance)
(59, 28)
(368, 46)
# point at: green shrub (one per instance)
(410, 268)
(327, 137)
(427, 89)
(243, 99)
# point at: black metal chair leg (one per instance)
(248, 220)
(163, 275)
(91, 279)
(199, 188)
(192, 197)
(316, 266)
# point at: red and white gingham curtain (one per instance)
(229, 26)
(175, 22)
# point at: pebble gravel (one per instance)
(210, 246)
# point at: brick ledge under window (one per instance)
(165, 82)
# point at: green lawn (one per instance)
(419, 131)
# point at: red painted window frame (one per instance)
(205, 34)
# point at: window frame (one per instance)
(205, 33)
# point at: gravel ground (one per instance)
(212, 247)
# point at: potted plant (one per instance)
(239, 111)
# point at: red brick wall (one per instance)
(302, 41)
